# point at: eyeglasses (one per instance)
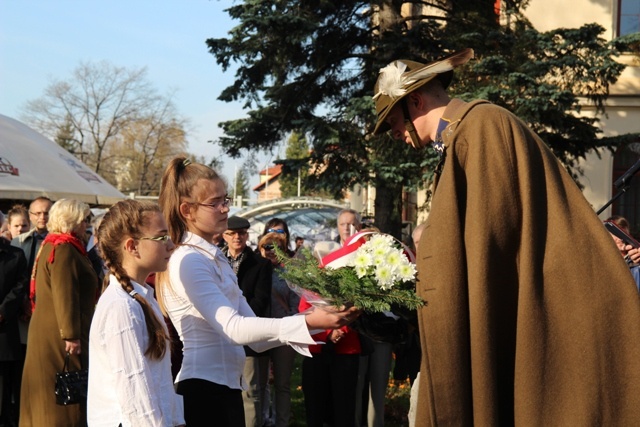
(162, 239)
(217, 205)
(39, 213)
(275, 230)
(268, 247)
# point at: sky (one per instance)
(45, 40)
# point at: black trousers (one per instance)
(208, 404)
(329, 385)
(10, 393)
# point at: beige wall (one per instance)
(547, 15)
(622, 113)
(270, 191)
(622, 116)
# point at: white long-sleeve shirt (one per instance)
(214, 319)
(125, 386)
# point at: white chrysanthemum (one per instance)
(391, 81)
(407, 272)
(381, 241)
(395, 258)
(379, 252)
(384, 276)
(362, 259)
(361, 271)
(379, 259)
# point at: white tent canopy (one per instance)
(32, 165)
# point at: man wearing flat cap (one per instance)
(254, 278)
(531, 316)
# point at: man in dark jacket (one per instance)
(254, 278)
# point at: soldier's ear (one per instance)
(417, 100)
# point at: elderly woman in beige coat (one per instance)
(64, 296)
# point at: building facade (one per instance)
(622, 114)
(269, 187)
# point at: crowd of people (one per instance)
(530, 312)
(237, 320)
(210, 296)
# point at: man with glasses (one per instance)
(254, 278)
(31, 240)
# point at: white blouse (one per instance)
(214, 319)
(125, 386)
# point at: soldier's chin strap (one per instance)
(408, 124)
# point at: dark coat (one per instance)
(26, 241)
(531, 314)
(14, 280)
(254, 278)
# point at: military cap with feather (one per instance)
(401, 77)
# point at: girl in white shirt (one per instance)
(200, 294)
(130, 381)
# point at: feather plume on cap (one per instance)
(393, 81)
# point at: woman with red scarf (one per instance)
(63, 292)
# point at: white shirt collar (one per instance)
(142, 289)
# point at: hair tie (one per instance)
(186, 162)
(133, 294)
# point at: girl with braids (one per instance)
(200, 294)
(130, 381)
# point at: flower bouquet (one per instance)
(371, 272)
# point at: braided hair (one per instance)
(122, 221)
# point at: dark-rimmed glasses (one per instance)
(162, 239)
(268, 247)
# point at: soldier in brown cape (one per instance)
(531, 315)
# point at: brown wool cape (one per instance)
(532, 317)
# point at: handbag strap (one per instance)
(65, 368)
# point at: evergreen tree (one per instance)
(294, 172)
(65, 137)
(240, 185)
(310, 66)
(215, 163)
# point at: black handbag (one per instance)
(71, 386)
(380, 327)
